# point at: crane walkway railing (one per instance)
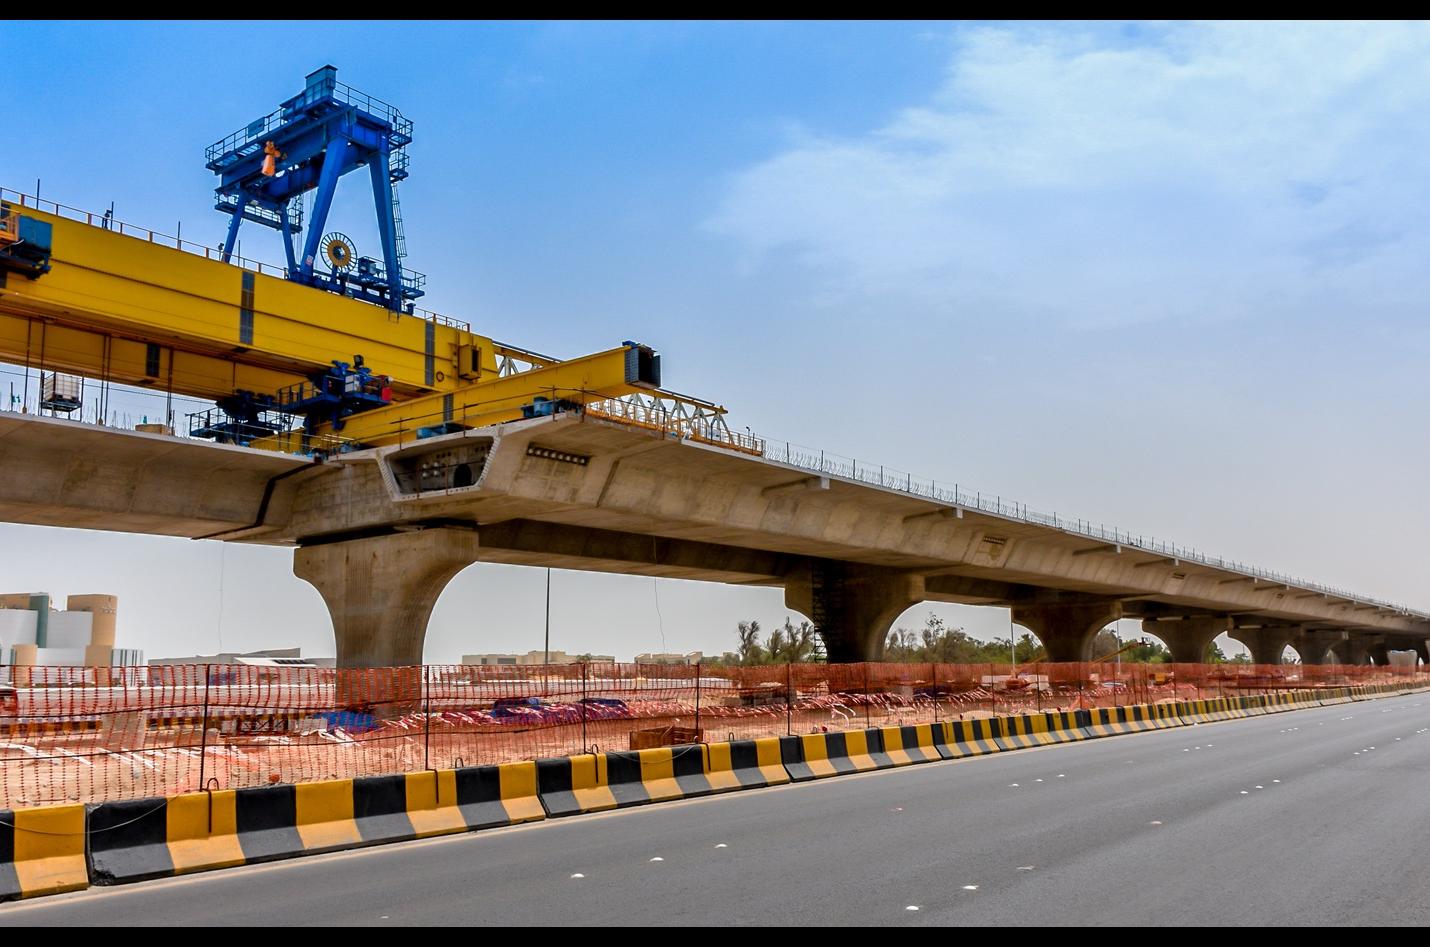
(107, 221)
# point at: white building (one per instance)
(536, 658)
(32, 632)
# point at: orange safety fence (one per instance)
(90, 735)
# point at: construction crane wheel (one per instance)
(339, 252)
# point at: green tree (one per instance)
(1139, 651)
(795, 644)
(935, 642)
(749, 650)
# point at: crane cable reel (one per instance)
(338, 250)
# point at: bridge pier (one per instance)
(1362, 647)
(1067, 630)
(852, 607)
(1267, 644)
(1188, 638)
(1316, 646)
(380, 590)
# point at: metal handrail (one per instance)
(260, 127)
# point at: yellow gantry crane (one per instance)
(129, 309)
(295, 359)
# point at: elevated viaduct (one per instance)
(380, 532)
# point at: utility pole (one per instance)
(547, 659)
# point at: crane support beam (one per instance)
(258, 332)
(592, 378)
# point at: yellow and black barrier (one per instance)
(745, 764)
(593, 782)
(156, 838)
(1332, 696)
(915, 743)
(1136, 718)
(640, 776)
(1223, 708)
(1212, 710)
(1281, 701)
(42, 851)
(1249, 704)
(569, 785)
(1165, 715)
(970, 737)
(1040, 729)
(817, 755)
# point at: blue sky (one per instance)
(1170, 277)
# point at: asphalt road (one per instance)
(1314, 817)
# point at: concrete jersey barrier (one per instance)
(141, 839)
(42, 851)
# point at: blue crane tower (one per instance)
(311, 141)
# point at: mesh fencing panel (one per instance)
(94, 734)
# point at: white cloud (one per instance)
(1192, 172)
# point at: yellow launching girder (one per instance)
(218, 327)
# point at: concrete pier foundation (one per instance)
(380, 590)
(1067, 630)
(1188, 638)
(854, 608)
(1267, 643)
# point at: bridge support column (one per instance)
(1379, 653)
(853, 608)
(1188, 638)
(1321, 647)
(1267, 644)
(1340, 653)
(1363, 647)
(380, 590)
(1067, 631)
